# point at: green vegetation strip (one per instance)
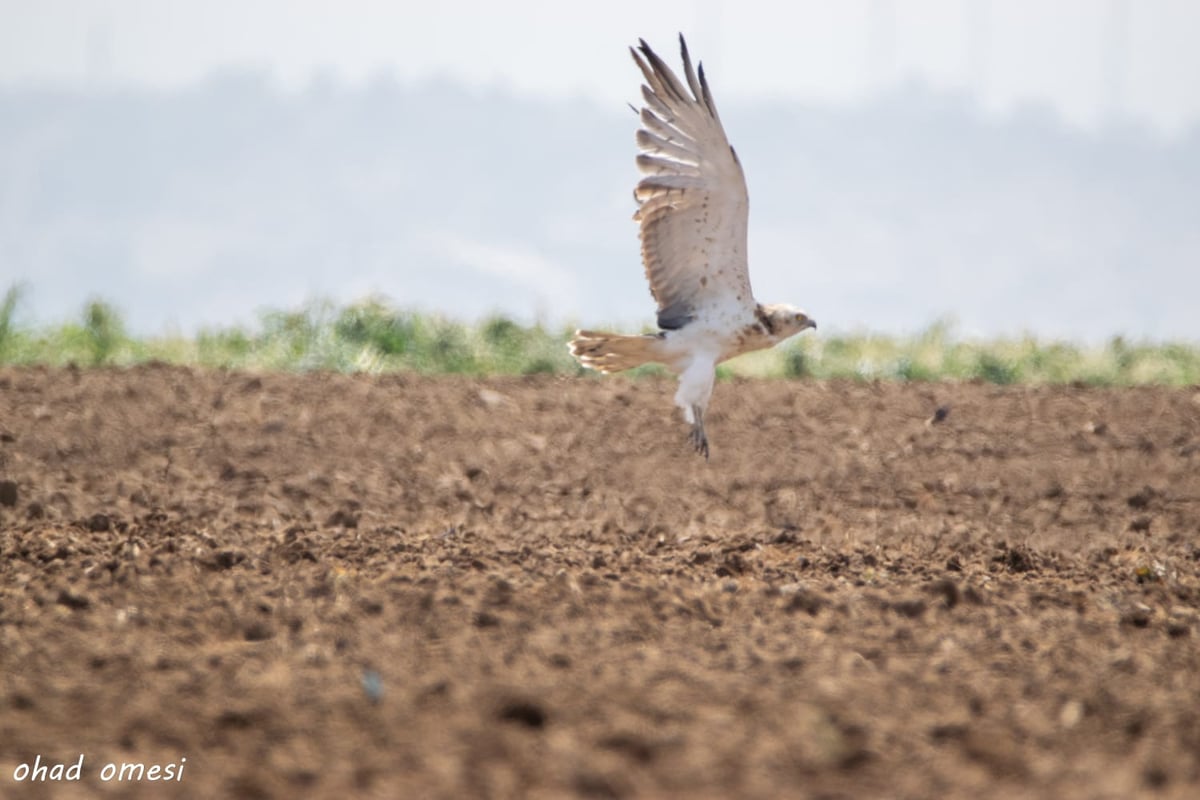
(374, 336)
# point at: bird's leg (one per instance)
(697, 437)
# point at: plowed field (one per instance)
(350, 586)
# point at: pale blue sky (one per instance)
(873, 208)
(1084, 58)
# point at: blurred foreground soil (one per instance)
(397, 586)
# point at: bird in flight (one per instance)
(693, 210)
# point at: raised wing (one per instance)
(693, 206)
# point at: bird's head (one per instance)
(787, 320)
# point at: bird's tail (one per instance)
(613, 352)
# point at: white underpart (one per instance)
(694, 351)
(696, 385)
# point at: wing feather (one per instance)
(668, 189)
(655, 106)
(650, 142)
(656, 165)
(669, 132)
(708, 101)
(692, 203)
(661, 77)
(697, 92)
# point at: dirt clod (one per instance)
(1016, 559)
(73, 599)
(522, 712)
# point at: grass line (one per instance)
(375, 336)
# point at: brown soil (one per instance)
(350, 586)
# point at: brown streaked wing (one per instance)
(693, 206)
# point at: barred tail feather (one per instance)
(613, 352)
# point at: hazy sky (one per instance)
(1085, 58)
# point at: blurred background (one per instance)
(1016, 166)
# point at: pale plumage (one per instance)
(693, 210)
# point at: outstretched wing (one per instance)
(693, 206)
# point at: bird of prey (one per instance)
(693, 210)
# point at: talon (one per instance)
(697, 436)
